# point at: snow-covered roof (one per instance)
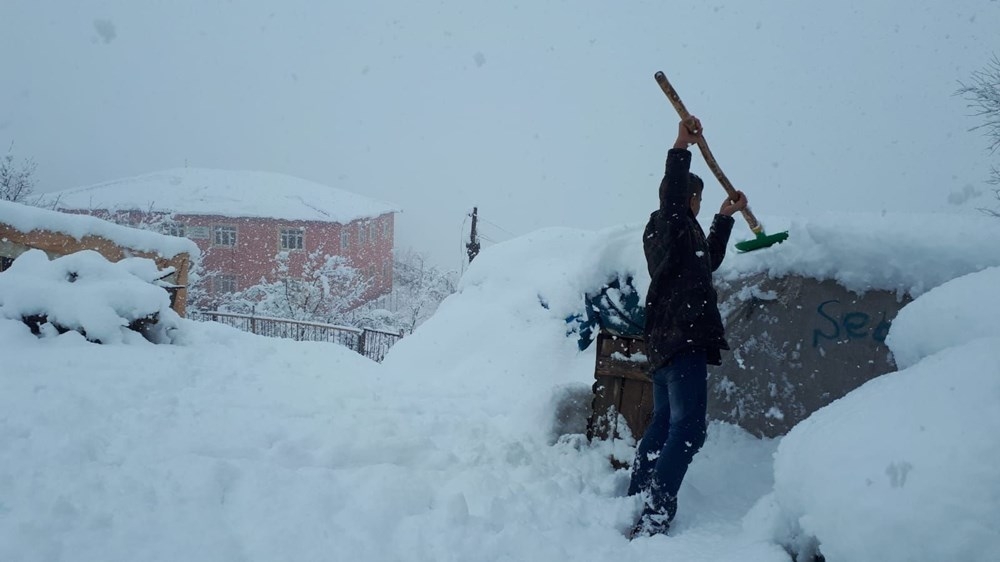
(229, 193)
(26, 218)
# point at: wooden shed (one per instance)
(623, 392)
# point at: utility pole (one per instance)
(473, 246)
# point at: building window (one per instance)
(372, 232)
(197, 232)
(225, 236)
(361, 233)
(225, 284)
(345, 239)
(174, 229)
(385, 229)
(291, 238)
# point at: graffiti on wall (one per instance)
(842, 323)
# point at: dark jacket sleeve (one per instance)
(718, 238)
(674, 202)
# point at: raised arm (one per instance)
(674, 192)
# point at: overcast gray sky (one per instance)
(542, 113)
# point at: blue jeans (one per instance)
(676, 432)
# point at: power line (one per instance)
(501, 236)
(461, 242)
(497, 225)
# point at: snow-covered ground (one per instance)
(227, 446)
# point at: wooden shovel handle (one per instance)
(713, 165)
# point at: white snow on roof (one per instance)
(26, 218)
(903, 252)
(194, 191)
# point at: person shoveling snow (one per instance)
(683, 332)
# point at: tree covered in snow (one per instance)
(17, 179)
(326, 289)
(417, 289)
(330, 290)
(983, 95)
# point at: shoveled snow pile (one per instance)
(957, 312)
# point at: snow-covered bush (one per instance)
(417, 289)
(84, 292)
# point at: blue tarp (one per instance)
(614, 308)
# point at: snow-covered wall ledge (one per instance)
(23, 227)
(905, 253)
(26, 219)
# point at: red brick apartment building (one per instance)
(243, 221)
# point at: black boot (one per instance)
(655, 520)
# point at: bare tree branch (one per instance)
(17, 180)
(983, 96)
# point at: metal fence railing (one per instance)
(373, 344)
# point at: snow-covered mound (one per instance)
(957, 312)
(87, 293)
(502, 337)
(904, 468)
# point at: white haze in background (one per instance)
(541, 113)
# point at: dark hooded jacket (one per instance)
(682, 309)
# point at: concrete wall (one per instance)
(798, 344)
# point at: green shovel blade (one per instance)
(761, 241)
